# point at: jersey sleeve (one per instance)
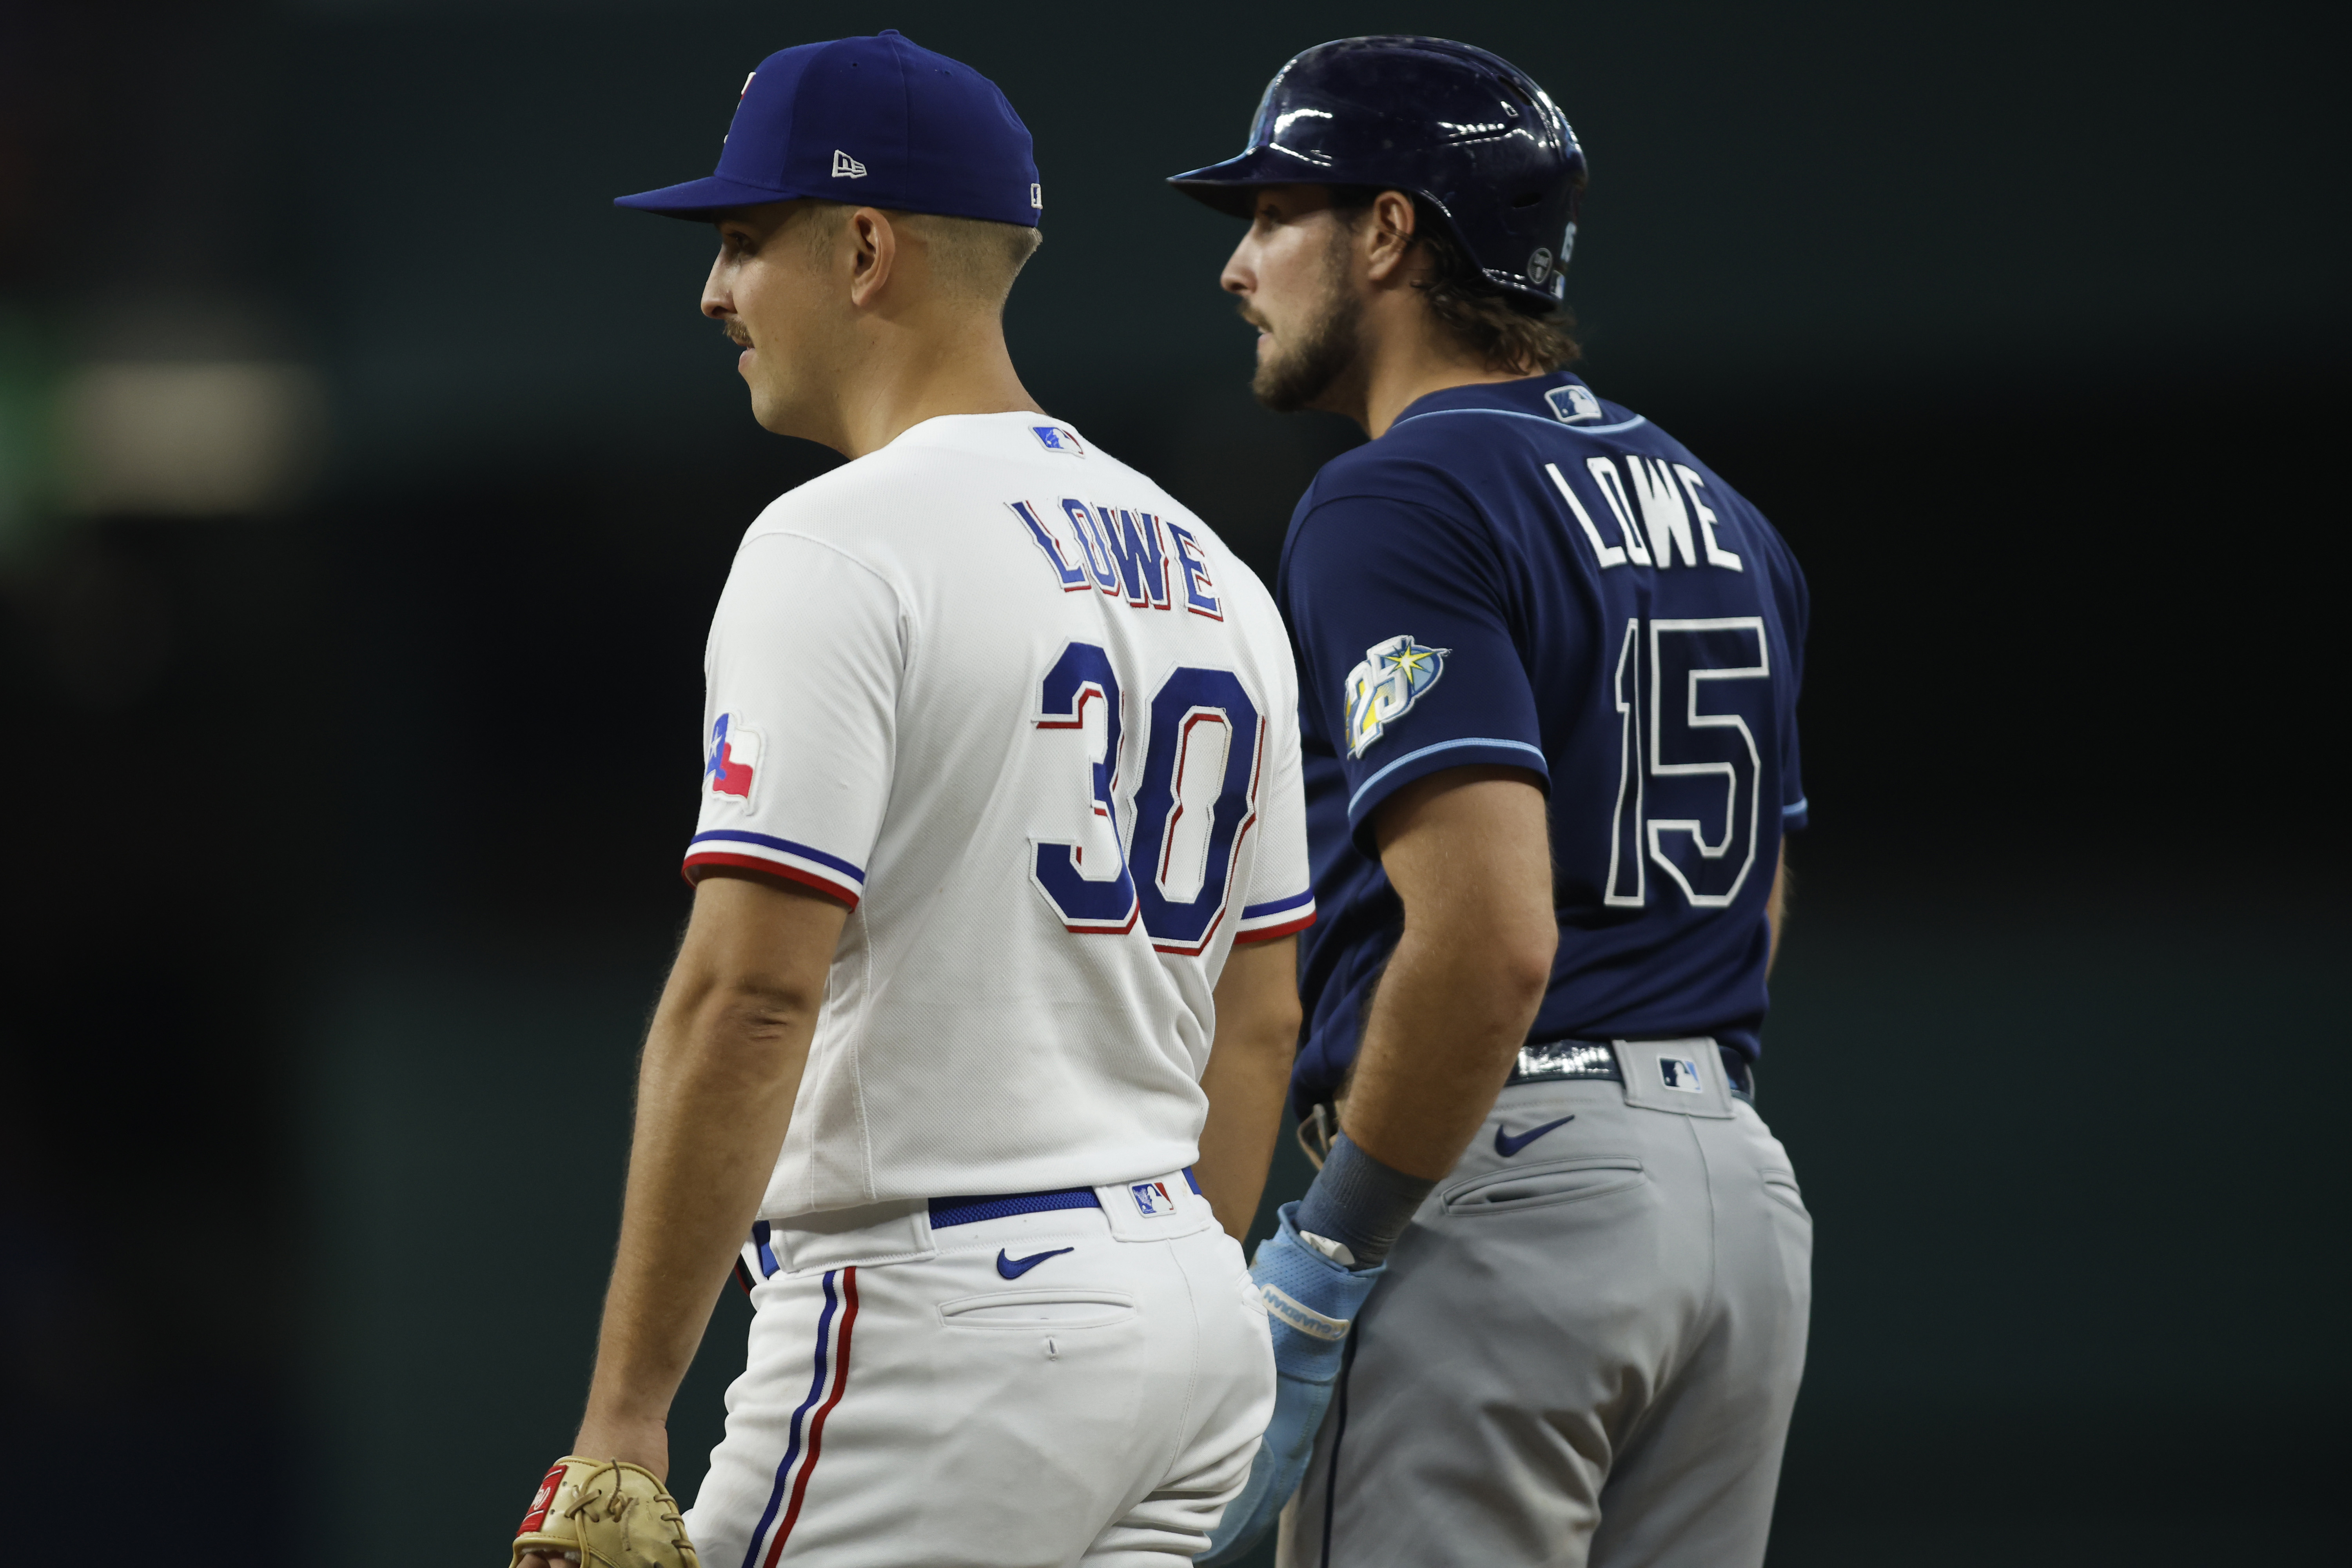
(1406, 656)
(1280, 898)
(1796, 608)
(799, 723)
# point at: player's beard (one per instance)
(1322, 352)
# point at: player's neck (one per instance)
(1405, 357)
(1392, 387)
(908, 373)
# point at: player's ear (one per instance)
(1387, 234)
(873, 240)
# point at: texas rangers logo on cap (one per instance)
(734, 756)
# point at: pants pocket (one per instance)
(1781, 1187)
(1056, 1308)
(1540, 1186)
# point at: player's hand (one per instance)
(1311, 1304)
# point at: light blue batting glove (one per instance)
(1310, 1303)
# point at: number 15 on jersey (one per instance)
(1689, 774)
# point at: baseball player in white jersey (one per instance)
(1000, 848)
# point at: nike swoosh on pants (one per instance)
(1014, 1267)
(1506, 1145)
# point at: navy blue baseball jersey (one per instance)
(1522, 574)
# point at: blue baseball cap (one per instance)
(879, 122)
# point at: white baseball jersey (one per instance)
(1028, 716)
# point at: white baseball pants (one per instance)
(1083, 1386)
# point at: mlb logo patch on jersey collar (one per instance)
(1058, 438)
(1153, 1199)
(1572, 405)
(1680, 1073)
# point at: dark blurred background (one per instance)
(366, 482)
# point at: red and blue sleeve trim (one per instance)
(746, 850)
(1277, 918)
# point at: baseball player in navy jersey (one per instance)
(1549, 664)
(979, 1026)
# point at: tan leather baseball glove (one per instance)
(606, 1514)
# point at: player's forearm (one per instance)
(721, 1067)
(1247, 1076)
(1245, 1094)
(1469, 852)
(1452, 1012)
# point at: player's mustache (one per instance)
(1247, 314)
(735, 335)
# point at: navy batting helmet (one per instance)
(1467, 132)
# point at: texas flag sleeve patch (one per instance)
(730, 777)
(732, 766)
(799, 730)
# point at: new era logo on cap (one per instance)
(1681, 1073)
(846, 167)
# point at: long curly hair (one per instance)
(1507, 331)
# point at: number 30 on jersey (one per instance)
(1197, 799)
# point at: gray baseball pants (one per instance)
(1586, 1346)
